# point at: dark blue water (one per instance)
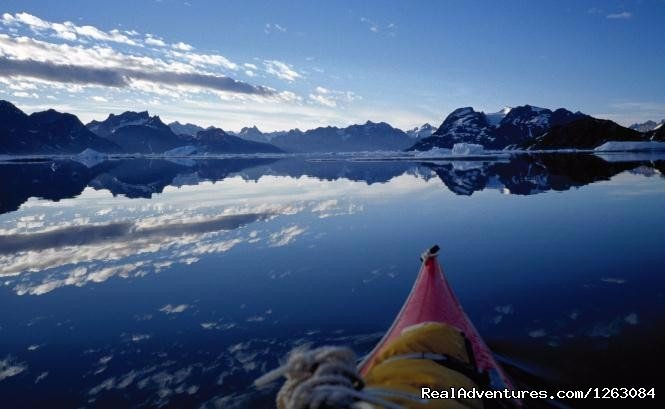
(156, 283)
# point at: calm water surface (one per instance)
(175, 283)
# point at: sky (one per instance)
(302, 64)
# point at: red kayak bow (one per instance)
(432, 300)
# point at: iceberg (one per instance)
(182, 151)
(433, 153)
(619, 146)
(90, 157)
(465, 149)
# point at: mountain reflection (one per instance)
(141, 178)
(528, 175)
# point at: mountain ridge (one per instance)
(499, 130)
(523, 127)
(46, 132)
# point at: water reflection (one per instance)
(155, 283)
(141, 178)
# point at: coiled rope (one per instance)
(322, 378)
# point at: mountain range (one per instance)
(532, 128)
(139, 132)
(508, 127)
(370, 136)
(46, 132)
(523, 127)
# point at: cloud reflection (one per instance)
(52, 245)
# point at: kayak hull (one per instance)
(432, 300)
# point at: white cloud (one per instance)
(373, 27)
(269, 28)
(352, 96)
(323, 100)
(388, 30)
(23, 94)
(182, 46)
(281, 70)
(621, 16)
(153, 40)
(97, 98)
(202, 60)
(66, 30)
(329, 98)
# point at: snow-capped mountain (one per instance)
(422, 131)
(184, 129)
(510, 126)
(254, 134)
(46, 132)
(647, 126)
(129, 118)
(370, 136)
(137, 132)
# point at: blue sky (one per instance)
(289, 64)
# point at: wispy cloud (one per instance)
(281, 70)
(23, 94)
(274, 27)
(330, 98)
(67, 30)
(323, 100)
(620, 16)
(373, 26)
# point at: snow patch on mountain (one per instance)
(422, 131)
(184, 129)
(495, 118)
